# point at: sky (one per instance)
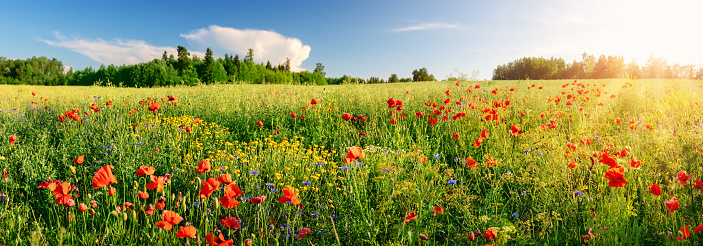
(356, 38)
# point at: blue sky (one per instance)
(357, 38)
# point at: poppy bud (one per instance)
(259, 123)
(188, 129)
(89, 196)
(111, 191)
(134, 215)
(79, 160)
(472, 236)
(423, 237)
(124, 217)
(73, 170)
(247, 242)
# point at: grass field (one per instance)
(440, 163)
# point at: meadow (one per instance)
(560, 162)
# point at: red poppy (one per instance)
(232, 190)
(82, 207)
(168, 220)
(303, 232)
(470, 162)
(79, 160)
(655, 189)
(108, 103)
(104, 177)
(156, 183)
(346, 116)
(4, 174)
(196, 120)
(154, 107)
(204, 166)
(447, 92)
(61, 193)
(127, 206)
(607, 160)
(621, 153)
(490, 234)
(572, 164)
(13, 138)
(478, 142)
(588, 236)
(635, 163)
(209, 186)
(394, 121)
(231, 222)
(698, 185)
(515, 131)
(48, 184)
(143, 195)
(437, 209)
(225, 178)
(411, 216)
(160, 204)
(617, 120)
(472, 236)
(229, 202)
(186, 231)
(313, 102)
(289, 195)
(698, 229)
(259, 123)
(293, 115)
(616, 176)
(145, 170)
(112, 191)
(392, 103)
(685, 234)
(353, 154)
(485, 134)
(218, 241)
(171, 98)
(258, 199)
(682, 177)
(188, 129)
(672, 204)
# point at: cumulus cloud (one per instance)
(267, 45)
(428, 26)
(116, 52)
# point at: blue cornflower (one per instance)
(345, 168)
(578, 192)
(195, 204)
(254, 172)
(383, 169)
(516, 215)
(306, 183)
(269, 184)
(452, 181)
(437, 156)
(319, 164)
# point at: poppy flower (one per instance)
(218, 241)
(196, 120)
(79, 160)
(607, 160)
(145, 170)
(411, 216)
(698, 229)
(82, 207)
(171, 98)
(621, 153)
(353, 154)
(685, 233)
(572, 164)
(672, 204)
(225, 178)
(209, 186)
(149, 209)
(258, 199)
(447, 92)
(346, 116)
(289, 195)
(168, 220)
(313, 102)
(303, 232)
(108, 103)
(478, 142)
(127, 206)
(231, 222)
(229, 202)
(655, 189)
(13, 138)
(154, 107)
(437, 209)
(515, 131)
(4, 174)
(188, 130)
(186, 231)
(204, 166)
(470, 162)
(259, 123)
(143, 195)
(160, 204)
(635, 163)
(104, 177)
(293, 115)
(392, 103)
(618, 120)
(61, 193)
(682, 177)
(156, 183)
(699, 185)
(490, 234)
(588, 236)
(232, 190)
(48, 184)
(112, 191)
(394, 121)
(472, 236)
(616, 176)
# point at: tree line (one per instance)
(591, 68)
(182, 69)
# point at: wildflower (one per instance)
(258, 199)
(490, 234)
(306, 183)
(411, 216)
(169, 219)
(231, 222)
(515, 131)
(79, 160)
(516, 215)
(253, 172)
(220, 240)
(143, 195)
(259, 123)
(289, 195)
(13, 138)
(655, 189)
(104, 177)
(203, 166)
(672, 204)
(293, 115)
(698, 229)
(578, 193)
(302, 232)
(225, 178)
(685, 234)
(452, 181)
(616, 177)
(353, 154)
(682, 177)
(456, 136)
(437, 209)
(209, 186)
(145, 170)
(186, 231)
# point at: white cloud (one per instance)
(427, 26)
(118, 51)
(267, 45)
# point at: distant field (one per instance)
(440, 163)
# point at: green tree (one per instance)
(393, 79)
(207, 76)
(422, 75)
(320, 69)
(184, 62)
